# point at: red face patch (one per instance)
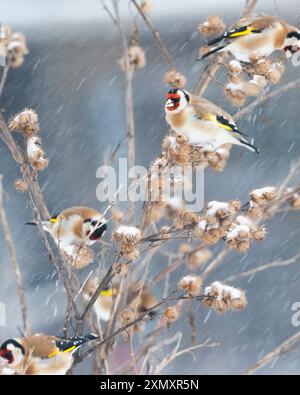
(7, 354)
(175, 99)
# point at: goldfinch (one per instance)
(75, 226)
(40, 354)
(260, 35)
(139, 300)
(103, 306)
(203, 123)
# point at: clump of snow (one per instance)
(214, 206)
(235, 231)
(262, 191)
(128, 231)
(220, 289)
(236, 64)
(234, 87)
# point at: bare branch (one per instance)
(14, 262)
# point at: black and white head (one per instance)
(11, 353)
(177, 100)
(94, 228)
(292, 43)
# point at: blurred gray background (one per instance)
(72, 79)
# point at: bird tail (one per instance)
(249, 145)
(212, 51)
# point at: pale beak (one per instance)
(170, 103)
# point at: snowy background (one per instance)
(72, 79)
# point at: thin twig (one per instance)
(14, 262)
(277, 263)
(284, 347)
(156, 35)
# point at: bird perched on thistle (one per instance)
(40, 354)
(75, 226)
(139, 299)
(203, 123)
(260, 34)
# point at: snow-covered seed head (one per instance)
(16, 50)
(262, 195)
(174, 79)
(128, 236)
(235, 94)
(251, 88)
(25, 121)
(213, 26)
(21, 185)
(223, 297)
(235, 67)
(191, 284)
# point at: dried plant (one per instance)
(121, 300)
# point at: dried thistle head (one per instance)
(261, 196)
(235, 94)
(16, 49)
(185, 248)
(127, 316)
(174, 79)
(191, 284)
(235, 67)
(128, 236)
(41, 164)
(78, 256)
(198, 258)
(171, 314)
(259, 234)
(25, 121)
(21, 185)
(213, 26)
(118, 216)
(146, 6)
(223, 298)
(135, 58)
(295, 201)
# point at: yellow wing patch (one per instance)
(53, 220)
(242, 33)
(213, 118)
(57, 351)
(107, 292)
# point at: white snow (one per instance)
(236, 64)
(214, 206)
(234, 87)
(33, 147)
(176, 203)
(261, 191)
(235, 230)
(202, 224)
(242, 220)
(128, 230)
(187, 279)
(172, 141)
(233, 292)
